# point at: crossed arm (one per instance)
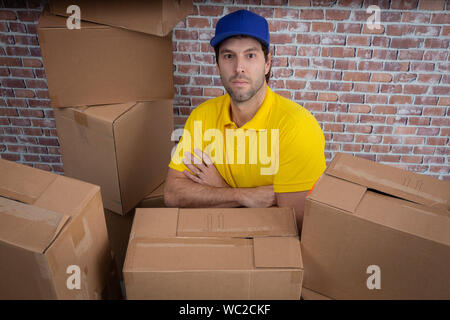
(206, 188)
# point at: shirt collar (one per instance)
(259, 120)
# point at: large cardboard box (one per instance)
(52, 233)
(99, 64)
(123, 148)
(156, 17)
(213, 254)
(373, 231)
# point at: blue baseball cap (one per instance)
(242, 22)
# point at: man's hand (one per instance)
(205, 172)
(259, 197)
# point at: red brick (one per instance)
(405, 43)
(332, 39)
(435, 55)
(400, 99)
(440, 18)
(399, 29)
(281, 38)
(436, 5)
(356, 76)
(404, 4)
(13, 83)
(368, 139)
(381, 77)
(420, 100)
(423, 150)
(363, 87)
(437, 141)
(295, 84)
(410, 55)
(422, 66)
(329, 75)
(411, 159)
(10, 62)
(343, 137)
(33, 63)
(323, 96)
(337, 14)
(370, 65)
(380, 149)
(351, 98)
(415, 89)
(416, 17)
(322, 27)
(333, 127)
(372, 119)
(7, 15)
(436, 43)
(339, 86)
(311, 14)
(348, 28)
(350, 3)
(345, 65)
(359, 108)
(308, 39)
(337, 107)
(385, 54)
(396, 66)
(388, 158)
(347, 118)
(21, 73)
(427, 31)
(198, 22)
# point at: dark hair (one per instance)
(265, 49)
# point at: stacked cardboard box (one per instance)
(53, 238)
(111, 84)
(372, 231)
(207, 254)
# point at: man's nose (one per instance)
(239, 66)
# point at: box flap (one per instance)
(337, 193)
(425, 222)
(394, 181)
(109, 114)
(23, 183)
(181, 254)
(228, 222)
(29, 227)
(154, 223)
(152, 16)
(48, 20)
(277, 252)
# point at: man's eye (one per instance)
(227, 56)
(251, 55)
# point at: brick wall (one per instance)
(380, 94)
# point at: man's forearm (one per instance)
(186, 193)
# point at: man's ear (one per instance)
(268, 63)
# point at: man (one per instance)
(250, 147)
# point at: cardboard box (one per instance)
(123, 148)
(98, 64)
(155, 199)
(372, 231)
(312, 295)
(156, 17)
(49, 223)
(213, 254)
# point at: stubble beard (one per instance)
(243, 96)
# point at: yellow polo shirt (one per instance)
(282, 145)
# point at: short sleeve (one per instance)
(301, 156)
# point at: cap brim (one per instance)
(218, 39)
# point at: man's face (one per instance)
(242, 67)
